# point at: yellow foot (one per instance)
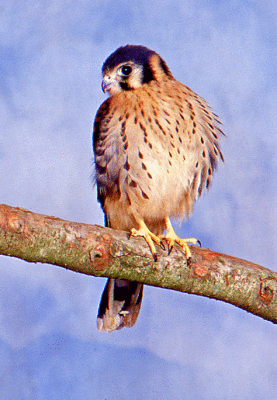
(150, 238)
(172, 238)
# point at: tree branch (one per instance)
(98, 251)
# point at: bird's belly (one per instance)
(167, 194)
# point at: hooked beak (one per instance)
(107, 84)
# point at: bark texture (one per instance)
(98, 251)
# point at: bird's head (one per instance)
(130, 67)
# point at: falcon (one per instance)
(156, 147)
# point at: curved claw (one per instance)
(162, 245)
(188, 261)
(170, 248)
(198, 242)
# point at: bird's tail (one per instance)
(120, 305)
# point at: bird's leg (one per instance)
(150, 238)
(170, 237)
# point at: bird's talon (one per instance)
(198, 242)
(162, 245)
(170, 248)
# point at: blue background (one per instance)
(183, 346)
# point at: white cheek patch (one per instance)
(114, 88)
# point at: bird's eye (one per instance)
(126, 70)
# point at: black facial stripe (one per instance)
(147, 74)
(124, 85)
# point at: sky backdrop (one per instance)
(183, 346)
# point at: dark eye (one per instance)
(126, 70)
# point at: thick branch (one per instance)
(99, 251)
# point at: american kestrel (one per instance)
(156, 146)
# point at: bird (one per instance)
(156, 148)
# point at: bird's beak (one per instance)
(107, 84)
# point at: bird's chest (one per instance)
(146, 148)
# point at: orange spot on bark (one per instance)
(266, 293)
(106, 236)
(98, 257)
(101, 250)
(200, 270)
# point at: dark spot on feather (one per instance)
(194, 124)
(135, 120)
(125, 146)
(202, 140)
(140, 155)
(104, 130)
(103, 137)
(214, 135)
(149, 175)
(160, 127)
(127, 166)
(144, 195)
(204, 154)
(180, 140)
(123, 127)
(100, 153)
(101, 170)
(142, 127)
(133, 184)
(177, 129)
(196, 165)
(170, 154)
(143, 166)
(209, 171)
(169, 162)
(150, 145)
(129, 200)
